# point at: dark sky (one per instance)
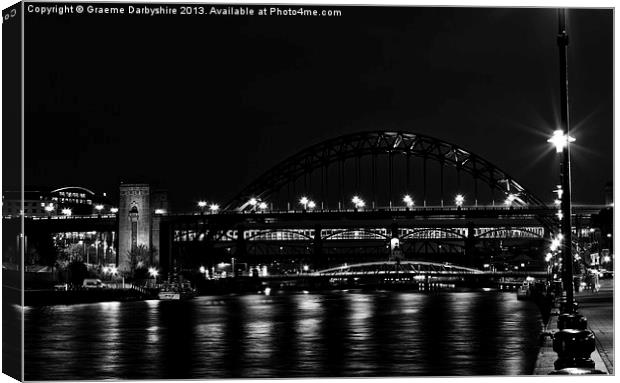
(203, 105)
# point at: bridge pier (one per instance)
(470, 245)
(317, 249)
(241, 250)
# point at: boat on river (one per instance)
(526, 289)
(176, 290)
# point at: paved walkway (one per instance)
(598, 309)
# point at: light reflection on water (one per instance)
(330, 334)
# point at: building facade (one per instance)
(139, 213)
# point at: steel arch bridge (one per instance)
(402, 267)
(374, 143)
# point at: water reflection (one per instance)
(285, 335)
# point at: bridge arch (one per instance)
(450, 233)
(528, 233)
(280, 235)
(318, 158)
(73, 188)
(365, 234)
(412, 267)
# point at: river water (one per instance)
(334, 334)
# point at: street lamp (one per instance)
(98, 208)
(560, 140)
(214, 208)
(153, 273)
(304, 202)
(113, 210)
(202, 205)
(311, 204)
(408, 201)
(262, 206)
(49, 209)
(358, 202)
(66, 211)
(459, 199)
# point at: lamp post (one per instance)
(408, 201)
(202, 205)
(458, 200)
(561, 139)
(204, 270)
(253, 203)
(358, 203)
(49, 209)
(304, 202)
(214, 208)
(153, 273)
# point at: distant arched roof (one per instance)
(74, 187)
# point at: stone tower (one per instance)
(134, 221)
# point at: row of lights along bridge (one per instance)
(357, 202)
(68, 212)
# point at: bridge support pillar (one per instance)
(166, 235)
(320, 259)
(470, 245)
(396, 252)
(241, 250)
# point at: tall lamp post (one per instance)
(561, 140)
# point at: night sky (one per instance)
(204, 105)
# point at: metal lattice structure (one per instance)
(380, 143)
(402, 267)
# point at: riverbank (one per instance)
(52, 297)
(598, 310)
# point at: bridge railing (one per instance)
(73, 217)
(366, 209)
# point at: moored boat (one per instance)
(174, 290)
